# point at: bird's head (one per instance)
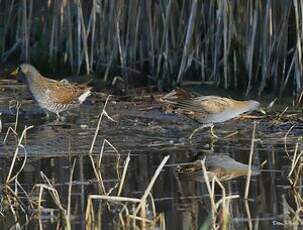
(27, 69)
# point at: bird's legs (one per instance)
(47, 115)
(211, 126)
(213, 132)
(58, 116)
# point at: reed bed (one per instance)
(250, 45)
(293, 213)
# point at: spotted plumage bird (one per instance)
(54, 96)
(207, 109)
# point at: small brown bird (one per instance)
(52, 95)
(220, 165)
(207, 109)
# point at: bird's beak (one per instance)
(261, 110)
(15, 72)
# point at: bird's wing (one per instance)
(213, 104)
(176, 95)
(66, 93)
(204, 104)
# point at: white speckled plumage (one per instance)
(52, 95)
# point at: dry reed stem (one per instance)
(249, 60)
(11, 105)
(56, 199)
(295, 160)
(68, 215)
(96, 172)
(54, 193)
(212, 201)
(9, 177)
(298, 178)
(295, 173)
(22, 166)
(140, 219)
(285, 140)
(12, 195)
(292, 216)
(17, 225)
(1, 123)
(91, 35)
(114, 198)
(190, 28)
(223, 202)
(10, 129)
(89, 208)
(89, 216)
(151, 184)
(153, 204)
(105, 141)
(249, 172)
(103, 113)
(123, 175)
(250, 225)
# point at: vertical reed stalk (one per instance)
(252, 148)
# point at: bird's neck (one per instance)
(33, 78)
(34, 82)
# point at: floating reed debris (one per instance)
(251, 45)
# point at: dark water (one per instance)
(148, 136)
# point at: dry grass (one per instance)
(292, 213)
(220, 209)
(249, 173)
(45, 200)
(129, 218)
(12, 189)
(251, 45)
